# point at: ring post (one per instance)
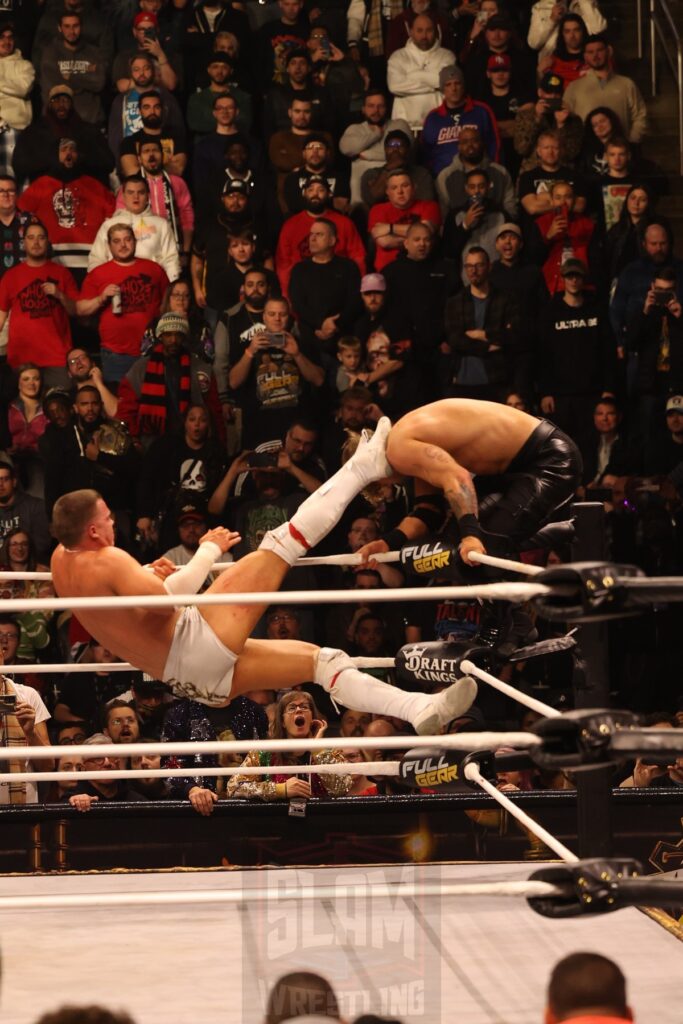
(591, 690)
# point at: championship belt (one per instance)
(113, 438)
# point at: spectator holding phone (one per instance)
(548, 114)
(272, 373)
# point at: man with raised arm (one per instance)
(206, 653)
(445, 445)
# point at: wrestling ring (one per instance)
(424, 942)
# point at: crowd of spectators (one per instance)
(583, 986)
(233, 232)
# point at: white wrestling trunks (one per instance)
(199, 666)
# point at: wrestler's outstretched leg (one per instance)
(278, 664)
(281, 548)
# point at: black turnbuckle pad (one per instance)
(437, 661)
(580, 740)
(596, 886)
(551, 537)
(490, 762)
(553, 645)
(587, 592)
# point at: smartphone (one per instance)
(483, 17)
(325, 47)
(262, 460)
(554, 103)
(663, 296)
(276, 338)
(656, 762)
(149, 33)
(8, 702)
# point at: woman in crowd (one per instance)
(180, 299)
(601, 125)
(624, 241)
(17, 554)
(296, 717)
(27, 423)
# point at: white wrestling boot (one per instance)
(323, 509)
(338, 675)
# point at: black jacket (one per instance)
(502, 326)
(576, 349)
(643, 333)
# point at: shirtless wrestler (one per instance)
(446, 444)
(206, 653)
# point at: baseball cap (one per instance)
(574, 266)
(219, 58)
(315, 179)
(148, 685)
(452, 73)
(60, 90)
(675, 404)
(500, 21)
(57, 395)
(552, 83)
(190, 510)
(499, 62)
(143, 16)
(172, 322)
(509, 226)
(373, 283)
(235, 185)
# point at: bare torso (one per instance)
(482, 437)
(135, 635)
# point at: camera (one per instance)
(8, 702)
(262, 460)
(276, 339)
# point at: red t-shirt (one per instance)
(385, 213)
(143, 284)
(39, 330)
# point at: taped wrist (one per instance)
(395, 539)
(189, 579)
(469, 526)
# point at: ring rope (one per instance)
(471, 669)
(505, 563)
(406, 890)
(461, 741)
(473, 774)
(68, 668)
(515, 592)
(347, 768)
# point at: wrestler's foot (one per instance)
(445, 706)
(369, 461)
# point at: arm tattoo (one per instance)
(462, 498)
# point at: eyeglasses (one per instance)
(76, 359)
(297, 707)
(122, 721)
(8, 191)
(282, 618)
(8, 636)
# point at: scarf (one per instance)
(170, 212)
(375, 26)
(152, 410)
(12, 735)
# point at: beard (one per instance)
(152, 121)
(257, 302)
(315, 205)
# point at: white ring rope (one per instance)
(345, 768)
(466, 741)
(471, 669)
(515, 592)
(474, 775)
(505, 563)
(285, 889)
(69, 668)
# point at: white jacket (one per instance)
(16, 81)
(154, 237)
(543, 31)
(413, 79)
